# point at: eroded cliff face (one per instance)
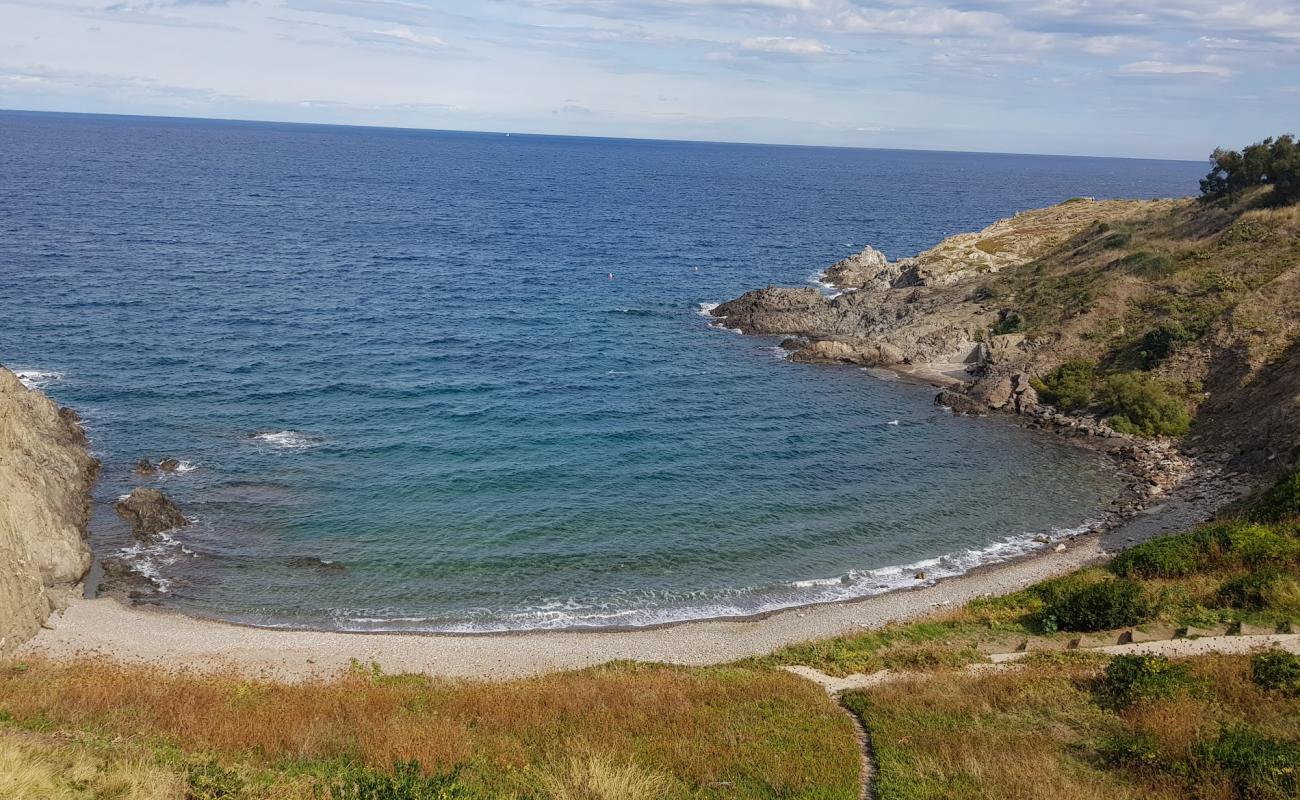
(46, 477)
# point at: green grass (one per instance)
(1069, 730)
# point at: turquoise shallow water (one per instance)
(401, 353)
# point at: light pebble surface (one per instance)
(105, 628)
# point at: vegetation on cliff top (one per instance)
(1272, 162)
(1165, 317)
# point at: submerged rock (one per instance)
(144, 467)
(169, 465)
(150, 512)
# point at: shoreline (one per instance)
(1161, 490)
(105, 627)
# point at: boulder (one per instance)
(959, 403)
(994, 391)
(150, 512)
(169, 464)
(144, 467)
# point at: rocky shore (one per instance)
(950, 317)
(46, 477)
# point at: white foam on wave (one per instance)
(285, 440)
(706, 309)
(37, 378)
(892, 422)
(186, 466)
(149, 560)
(558, 614)
(830, 290)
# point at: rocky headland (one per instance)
(1110, 322)
(46, 477)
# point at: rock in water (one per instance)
(144, 467)
(959, 403)
(169, 465)
(150, 512)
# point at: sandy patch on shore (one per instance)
(106, 628)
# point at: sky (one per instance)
(1147, 78)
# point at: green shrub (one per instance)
(1131, 678)
(406, 781)
(1259, 767)
(1070, 386)
(1207, 548)
(1095, 606)
(1161, 341)
(1143, 406)
(1166, 557)
(1117, 240)
(1254, 590)
(1148, 265)
(1276, 671)
(211, 781)
(1008, 322)
(1129, 749)
(1279, 503)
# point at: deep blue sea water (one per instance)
(401, 352)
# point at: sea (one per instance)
(464, 382)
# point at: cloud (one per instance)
(1172, 69)
(784, 45)
(400, 36)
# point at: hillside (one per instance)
(1163, 305)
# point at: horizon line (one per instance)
(416, 129)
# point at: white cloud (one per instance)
(1169, 68)
(786, 45)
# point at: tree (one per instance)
(1271, 162)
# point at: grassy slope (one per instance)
(1047, 730)
(719, 732)
(1219, 281)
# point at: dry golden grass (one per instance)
(602, 778)
(32, 769)
(1037, 732)
(767, 733)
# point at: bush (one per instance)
(1131, 678)
(1249, 591)
(1130, 750)
(1147, 265)
(1008, 322)
(1210, 547)
(1160, 343)
(1259, 767)
(1280, 503)
(1070, 387)
(1142, 406)
(1276, 671)
(1095, 606)
(406, 781)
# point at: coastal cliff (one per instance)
(1116, 318)
(46, 477)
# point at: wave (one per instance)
(37, 378)
(149, 560)
(570, 613)
(706, 309)
(830, 290)
(286, 440)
